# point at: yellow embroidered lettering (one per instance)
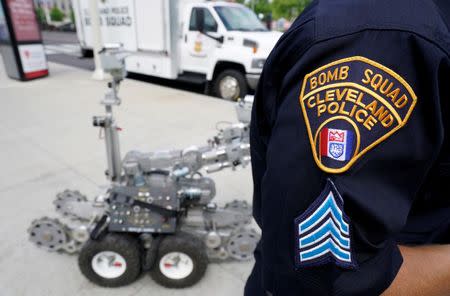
(343, 73)
(319, 101)
(377, 80)
(381, 113)
(322, 78)
(369, 122)
(313, 83)
(329, 95)
(353, 111)
(388, 121)
(320, 109)
(332, 75)
(393, 94)
(342, 109)
(358, 115)
(400, 103)
(310, 103)
(372, 106)
(340, 95)
(333, 107)
(359, 100)
(383, 88)
(351, 95)
(367, 74)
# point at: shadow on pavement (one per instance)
(192, 87)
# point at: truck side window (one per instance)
(210, 22)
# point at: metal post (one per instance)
(98, 74)
(112, 146)
(46, 7)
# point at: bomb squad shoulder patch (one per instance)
(350, 106)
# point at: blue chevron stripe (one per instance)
(328, 206)
(323, 232)
(326, 228)
(325, 247)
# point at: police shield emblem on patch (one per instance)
(336, 144)
(350, 106)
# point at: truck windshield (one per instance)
(239, 18)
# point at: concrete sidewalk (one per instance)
(47, 144)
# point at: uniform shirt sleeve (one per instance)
(376, 159)
(258, 146)
(429, 219)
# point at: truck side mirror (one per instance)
(200, 19)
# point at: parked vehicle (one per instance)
(221, 44)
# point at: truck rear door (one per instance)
(153, 28)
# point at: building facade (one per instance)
(64, 5)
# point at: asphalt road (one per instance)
(63, 48)
(51, 37)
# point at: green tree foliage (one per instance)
(56, 14)
(40, 14)
(288, 9)
(262, 6)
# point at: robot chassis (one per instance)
(157, 214)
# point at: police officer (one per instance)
(350, 143)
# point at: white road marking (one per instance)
(64, 48)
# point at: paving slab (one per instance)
(47, 144)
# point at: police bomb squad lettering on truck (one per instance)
(111, 16)
(163, 40)
(349, 107)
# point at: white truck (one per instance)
(221, 44)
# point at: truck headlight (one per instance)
(258, 63)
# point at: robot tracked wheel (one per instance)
(48, 234)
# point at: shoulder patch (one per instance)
(323, 232)
(350, 106)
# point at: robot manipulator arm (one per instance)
(228, 149)
(230, 155)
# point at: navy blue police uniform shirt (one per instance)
(350, 137)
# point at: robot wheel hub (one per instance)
(176, 265)
(108, 264)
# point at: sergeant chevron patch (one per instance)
(323, 232)
(350, 106)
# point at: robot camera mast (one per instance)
(112, 57)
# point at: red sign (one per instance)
(23, 20)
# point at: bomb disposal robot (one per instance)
(157, 213)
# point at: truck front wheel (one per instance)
(230, 85)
